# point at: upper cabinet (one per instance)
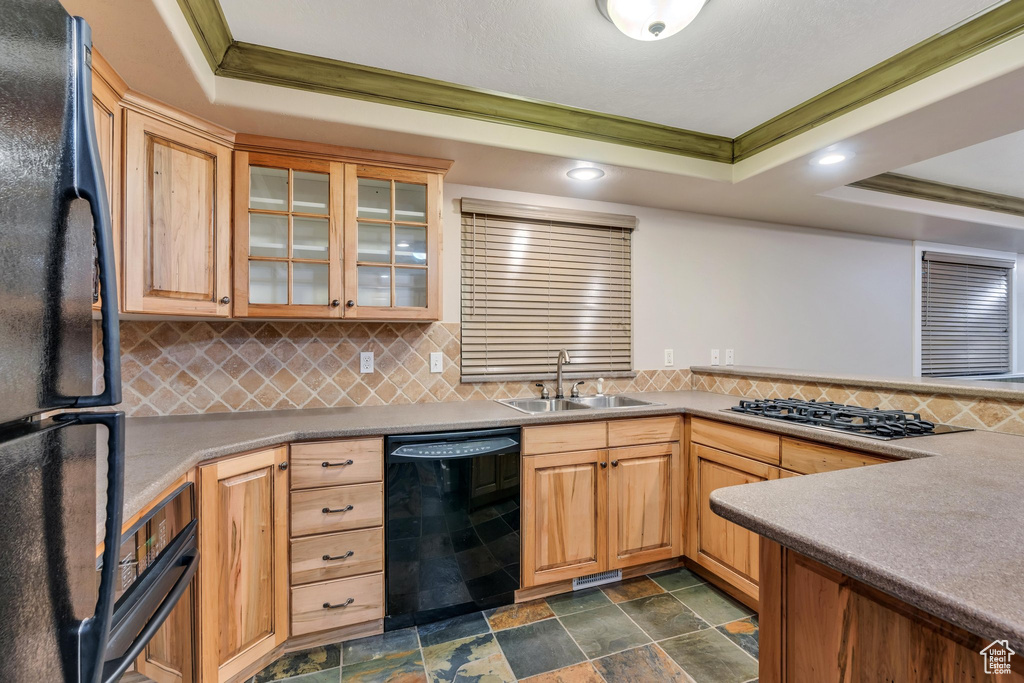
(107, 90)
(392, 243)
(287, 236)
(177, 223)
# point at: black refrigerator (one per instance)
(55, 234)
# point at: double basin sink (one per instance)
(535, 406)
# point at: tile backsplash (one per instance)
(171, 368)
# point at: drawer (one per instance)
(564, 438)
(329, 463)
(309, 614)
(350, 553)
(740, 440)
(808, 458)
(308, 516)
(642, 431)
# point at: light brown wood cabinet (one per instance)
(243, 575)
(588, 511)
(177, 220)
(107, 112)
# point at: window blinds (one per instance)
(539, 279)
(965, 310)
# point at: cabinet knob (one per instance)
(615, 463)
(283, 466)
(225, 299)
(335, 303)
(604, 465)
(350, 303)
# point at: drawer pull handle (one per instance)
(328, 558)
(348, 602)
(337, 464)
(328, 511)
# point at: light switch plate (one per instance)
(436, 361)
(366, 362)
(669, 360)
(714, 357)
(729, 357)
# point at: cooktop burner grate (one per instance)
(871, 422)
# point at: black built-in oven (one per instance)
(452, 534)
(152, 620)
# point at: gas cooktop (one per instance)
(873, 423)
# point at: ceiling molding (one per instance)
(913, 64)
(917, 188)
(262, 64)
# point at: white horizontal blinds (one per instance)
(965, 309)
(532, 286)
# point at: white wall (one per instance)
(779, 295)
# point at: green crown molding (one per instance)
(261, 64)
(910, 66)
(907, 186)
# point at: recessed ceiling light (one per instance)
(402, 245)
(585, 173)
(829, 159)
(650, 19)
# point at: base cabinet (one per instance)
(243, 576)
(645, 505)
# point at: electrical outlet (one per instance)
(668, 358)
(365, 362)
(714, 357)
(729, 357)
(436, 361)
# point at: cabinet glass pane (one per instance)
(268, 188)
(311, 192)
(411, 244)
(310, 238)
(411, 287)
(309, 283)
(374, 286)
(268, 282)
(410, 202)
(374, 242)
(374, 199)
(268, 235)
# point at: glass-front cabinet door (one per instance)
(288, 236)
(392, 244)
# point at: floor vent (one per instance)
(598, 579)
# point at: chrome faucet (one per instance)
(563, 357)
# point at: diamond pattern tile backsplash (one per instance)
(172, 368)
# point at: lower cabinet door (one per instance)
(727, 549)
(645, 508)
(168, 657)
(243, 571)
(564, 516)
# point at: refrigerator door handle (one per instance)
(93, 632)
(87, 183)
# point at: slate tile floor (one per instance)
(664, 627)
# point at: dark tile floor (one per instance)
(664, 627)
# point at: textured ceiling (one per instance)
(994, 166)
(740, 63)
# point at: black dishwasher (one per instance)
(452, 533)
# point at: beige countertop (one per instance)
(1011, 391)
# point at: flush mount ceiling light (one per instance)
(585, 173)
(650, 19)
(830, 157)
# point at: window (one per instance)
(538, 279)
(965, 315)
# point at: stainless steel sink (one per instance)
(542, 405)
(612, 402)
(535, 406)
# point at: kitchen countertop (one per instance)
(927, 530)
(943, 534)
(1010, 391)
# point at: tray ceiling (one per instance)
(739, 64)
(993, 166)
